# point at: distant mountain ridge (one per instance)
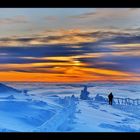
(4, 89)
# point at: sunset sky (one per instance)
(69, 44)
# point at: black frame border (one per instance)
(69, 4)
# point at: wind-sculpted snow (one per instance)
(26, 114)
(45, 109)
(7, 89)
(60, 117)
(100, 98)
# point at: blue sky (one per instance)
(39, 19)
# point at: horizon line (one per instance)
(73, 82)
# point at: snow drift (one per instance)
(51, 109)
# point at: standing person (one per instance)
(110, 98)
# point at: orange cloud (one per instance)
(70, 74)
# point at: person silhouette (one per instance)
(110, 98)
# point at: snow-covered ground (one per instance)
(50, 108)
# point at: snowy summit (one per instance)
(67, 108)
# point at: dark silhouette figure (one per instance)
(110, 98)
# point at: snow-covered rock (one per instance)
(100, 98)
(84, 94)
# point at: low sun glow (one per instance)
(64, 45)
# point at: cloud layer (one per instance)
(75, 55)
